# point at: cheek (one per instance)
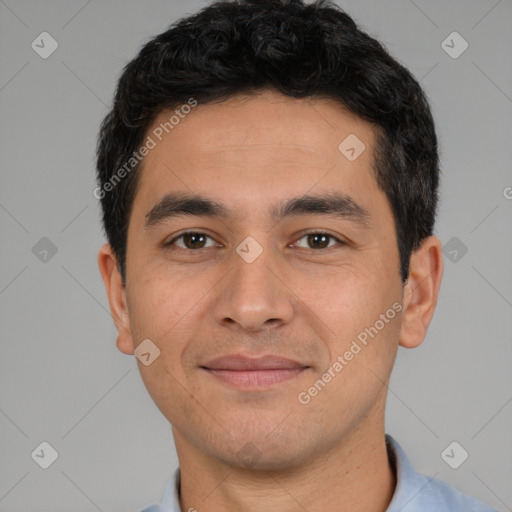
(167, 310)
(345, 297)
(358, 308)
(161, 315)
(158, 305)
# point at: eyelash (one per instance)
(326, 233)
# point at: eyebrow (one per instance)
(332, 204)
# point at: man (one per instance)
(268, 177)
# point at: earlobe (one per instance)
(421, 292)
(116, 292)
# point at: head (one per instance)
(239, 139)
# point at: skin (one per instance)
(295, 300)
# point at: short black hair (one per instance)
(300, 50)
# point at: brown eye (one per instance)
(191, 240)
(318, 240)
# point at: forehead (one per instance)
(261, 146)
(311, 126)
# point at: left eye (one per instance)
(319, 240)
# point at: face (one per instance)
(265, 275)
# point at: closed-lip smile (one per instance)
(253, 372)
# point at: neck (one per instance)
(354, 475)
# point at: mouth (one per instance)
(253, 373)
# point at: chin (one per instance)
(252, 459)
(263, 452)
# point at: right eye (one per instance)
(191, 240)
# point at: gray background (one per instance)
(63, 381)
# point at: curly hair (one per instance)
(301, 50)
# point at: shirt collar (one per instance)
(408, 482)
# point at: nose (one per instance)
(254, 296)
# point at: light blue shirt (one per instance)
(413, 493)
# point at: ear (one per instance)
(421, 291)
(116, 293)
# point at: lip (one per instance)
(253, 373)
(239, 362)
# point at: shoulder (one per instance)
(437, 495)
(171, 501)
(415, 492)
